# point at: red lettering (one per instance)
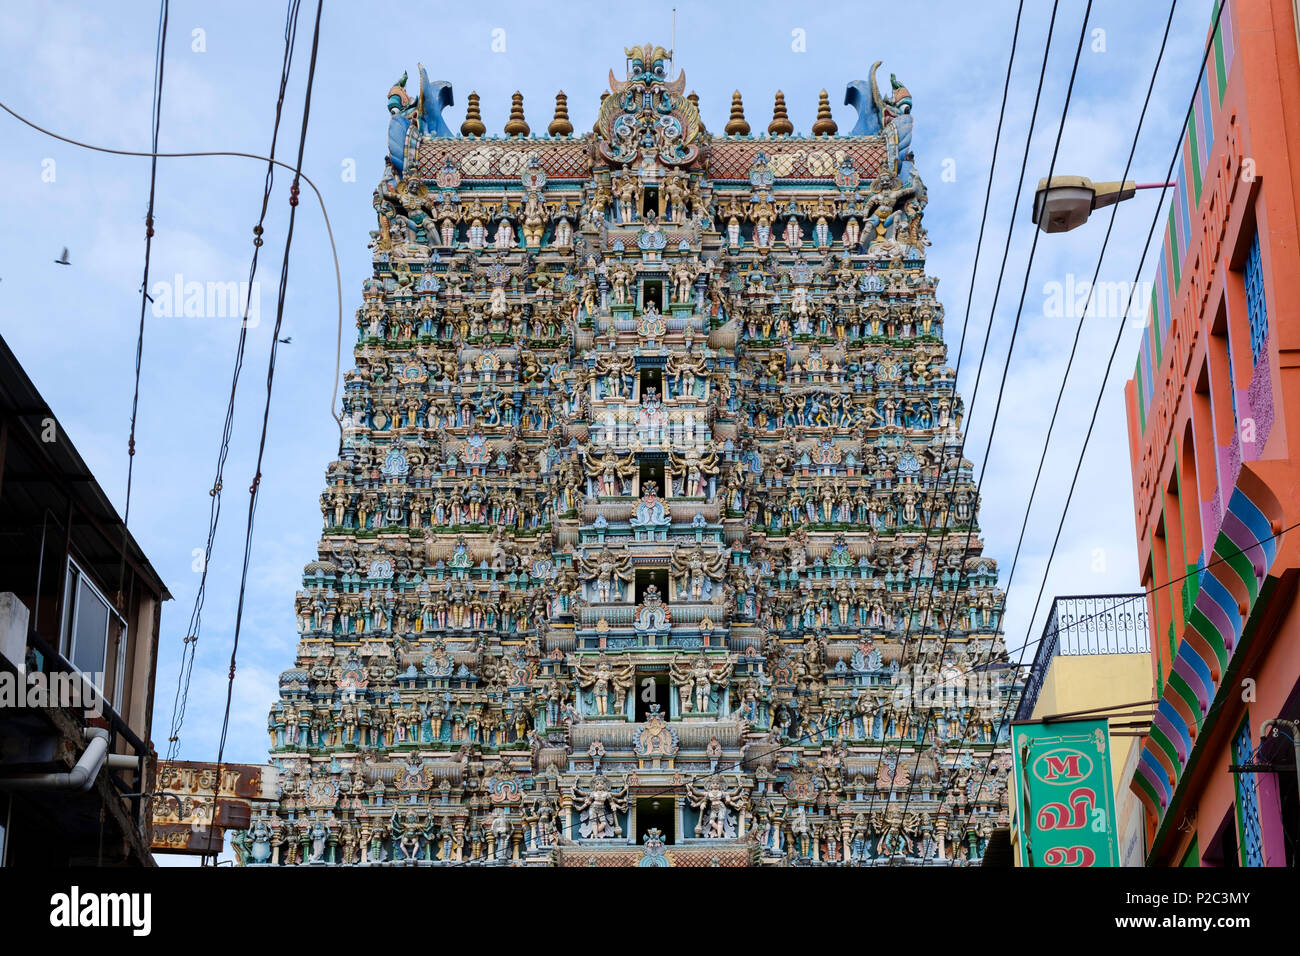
(1069, 856)
(1067, 767)
(1059, 816)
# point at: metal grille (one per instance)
(1252, 842)
(1086, 625)
(1256, 310)
(1100, 624)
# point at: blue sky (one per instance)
(85, 70)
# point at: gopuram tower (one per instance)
(650, 541)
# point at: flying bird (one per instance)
(63, 259)
(287, 340)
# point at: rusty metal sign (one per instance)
(241, 781)
(174, 838)
(193, 807)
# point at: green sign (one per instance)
(1065, 801)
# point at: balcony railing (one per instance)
(1085, 625)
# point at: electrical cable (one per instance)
(1077, 332)
(266, 409)
(338, 278)
(190, 646)
(1209, 46)
(970, 531)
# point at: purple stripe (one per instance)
(1189, 674)
(1225, 27)
(1207, 123)
(1164, 294)
(1216, 615)
(1175, 736)
(1245, 542)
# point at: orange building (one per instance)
(1214, 437)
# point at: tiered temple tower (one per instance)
(649, 534)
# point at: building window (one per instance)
(1256, 310)
(653, 695)
(1249, 836)
(91, 631)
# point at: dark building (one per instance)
(79, 612)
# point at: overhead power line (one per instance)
(189, 648)
(255, 486)
(1006, 367)
(1119, 332)
(155, 119)
(298, 173)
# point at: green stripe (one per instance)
(1196, 160)
(1184, 690)
(1176, 256)
(1140, 779)
(1246, 571)
(1169, 576)
(1188, 582)
(1210, 634)
(1165, 744)
(1155, 606)
(1137, 377)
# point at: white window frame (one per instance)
(77, 576)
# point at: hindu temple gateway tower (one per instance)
(649, 536)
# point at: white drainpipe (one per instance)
(80, 777)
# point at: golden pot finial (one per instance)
(516, 125)
(560, 125)
(780, 125)
(473, 125)
(736, 125)
(825, 124)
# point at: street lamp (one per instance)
(1063, 203)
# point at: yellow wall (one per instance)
(1098, 680)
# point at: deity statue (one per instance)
(650, 510)
(605, 680)
(599, 808)
(504, 239)
(696, 471)
(608, 571)
(716, 803)
(696, 679)
(695, 571)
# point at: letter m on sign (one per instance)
(1066, 767)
